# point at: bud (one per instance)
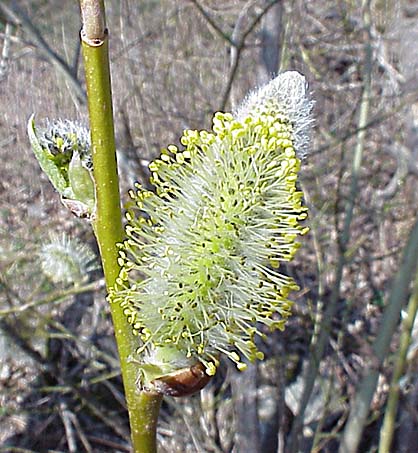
(63, 151)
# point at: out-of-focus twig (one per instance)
(213, 24)
(80, 433)
(244, 395)
(16, 15)
(400, 288)
(69, 431)
(376, 119)
(318, 347)
(401, 154)
(388, 427)
(5, 53)
(236, 42)
(67, 334)
(108, 443)
(271, 46)
(54, 297)
(18, 340)
(237, 48)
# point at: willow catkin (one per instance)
(201, 266)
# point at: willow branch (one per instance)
(143, 407)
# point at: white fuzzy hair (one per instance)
(287, 94)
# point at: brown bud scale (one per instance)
(183, 382)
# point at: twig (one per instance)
(237, 45)
(113, 390)
(15, 14)
(400, 152)
(54, 298)
(318, 349)
(388, 428)
(213, 24)
(67, 334)
(21, 343)
(15, 450)
(238, 48)
(103, 414)
(80, 433)
(375, 120)
(69, 432)
(400, 288)
(109, 443)
(5, 53)
(235, 53)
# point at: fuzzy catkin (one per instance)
(66, 261)
(201, 266)
(288, 94)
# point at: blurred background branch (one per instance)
(17, 16)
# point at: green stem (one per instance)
(143, 407)
(388, 428)
(400, 288)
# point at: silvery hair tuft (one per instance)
(288, 93)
